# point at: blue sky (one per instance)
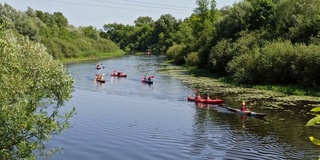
(100, 12)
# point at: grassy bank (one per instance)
(285, 89)
(267, 97)
(96, 56)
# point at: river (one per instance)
(126, 119)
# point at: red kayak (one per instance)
(211, 101)
(119, 75)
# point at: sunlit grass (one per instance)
(291, 90)
(100, 55)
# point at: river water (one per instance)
(125, 119)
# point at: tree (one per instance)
(298, 21)
(60, 19)
(90, 32)
(119, 33)
(204, 29)
(142, 37)
(235, 20)
(140, 21)
(33, 87)
(262, 15)
(165, 26)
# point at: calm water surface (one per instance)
(125, 119)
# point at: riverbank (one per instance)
(234, 94)
(100, 56)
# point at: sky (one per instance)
(100, 12)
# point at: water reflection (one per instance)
(127, 119)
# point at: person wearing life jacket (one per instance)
(244, 107)
(208, 97)
(198, 96)
(97, 76)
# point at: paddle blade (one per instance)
(151, 76)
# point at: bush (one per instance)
(176, 53)
(29, 75)
(192, 59)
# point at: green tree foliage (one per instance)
(202, 10)
(45, 17)
(30, 77)
(90, 32)
(249, 40)
(192, 59)
(220, 56)
(298, 21)
(165, 26)
(141, 21)
(62, 40)
(176, 53)
(204, 19)
(60, 19)
(278, 63)
(262, 15)
(234, 21)
(142, 37)
(184, 36)
(119, 33)
(27, 27)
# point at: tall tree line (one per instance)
(252, 41)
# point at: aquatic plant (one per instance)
(314, 122)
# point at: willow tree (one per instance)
(33, 88)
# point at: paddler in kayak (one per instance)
(244, 107)
(208, 96)
(97, 76)
(198, 96)
(101, 77)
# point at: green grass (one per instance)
(102, 55)
(286, 89)
(291, 90)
